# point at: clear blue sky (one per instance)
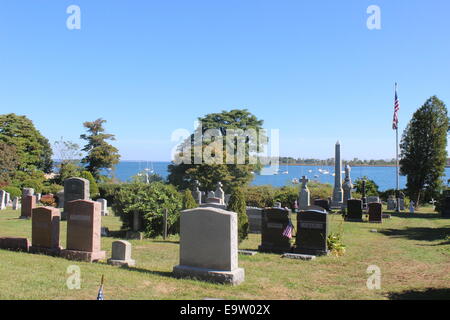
(309, 68)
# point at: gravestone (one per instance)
(2, 199)
(83, 231)
(8, 199)
(60, 197)
(213, 203)
(121, 254)
(197, 193)
(209, 246)
(402, 204)
(136, 223)
(392, 203)
(254, 216)
(325, 204)
(75, 189)
(274, 222)
(304, 198)
(445, 206)
(211, 194)
(38, 197)
(28, 204)
(312, 231)
(363, 193)
(373, 199)
(347, 186)
(104, 204)
(375, 212)
(27, 192)
(354, 210)
(14, 244)
(16, 204)
(45, 231)
(219, 193)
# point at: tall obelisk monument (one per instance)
(338, 193)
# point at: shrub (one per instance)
(149, 201)
(188, 200)
(35, 184)
(108, 191)
(237, 204)
(371, 186)
(320, 190)
(53, 189)
(259, 196)
(13, 191)
(93, 187)
(335, 245)
(287, 196)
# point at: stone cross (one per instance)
(304, 198)
(197, 194)
(347, 185)
(219, 192)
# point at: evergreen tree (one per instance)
(188, 200)
(9, 161)
(33, 149)
(237, 204)
(423, 150)
(231, 172)
(100, 154)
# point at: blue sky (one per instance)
(309, 68)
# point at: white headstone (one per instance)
(104, 204)
(2, 199)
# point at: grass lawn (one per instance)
(413, 254)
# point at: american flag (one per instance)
(100, 292)
(288, 231)
(396, 108)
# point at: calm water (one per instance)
(383, 176)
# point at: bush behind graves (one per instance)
(259, 196)
(237, 204)
(108, 191)
(52, 188)
(188, 200)
(150, 202)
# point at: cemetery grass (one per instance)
(413, 254)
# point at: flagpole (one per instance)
(397, 163)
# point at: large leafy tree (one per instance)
(100, 154)
(230, 171)
(9, 161)
(423, 150)
(33, 149)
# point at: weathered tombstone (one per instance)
(402, 204)
(354, 210)
(7, 199)
(254, 216)
(75, 189)
(135, 233)
(373, 199)
(312, 231)
(375, 212)
(121, 254)
(274, 222)
(347, 186)
(392, 203)
(322, 203)
(16, 203)
(60, 197)
(15, 244)
(38, 197)
(304, 198)
(197, 193)
(27, 192)
(219, 193)
(45, 231)
(213, 203)
(28, 204)
(83, 231)
(209, 246)
(2, 199)
(211, 194)
(104, 204)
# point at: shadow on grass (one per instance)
(167, 274)
(427, 294)
(421, 234)
(407, 215)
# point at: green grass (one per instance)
(412, 253)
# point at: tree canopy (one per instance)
(423, 149)
(100, 154)
(231, 127)
(33, 149)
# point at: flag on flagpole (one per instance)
(396, 108)
(288, 231)
(100, 292)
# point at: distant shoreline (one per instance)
(322, 165)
